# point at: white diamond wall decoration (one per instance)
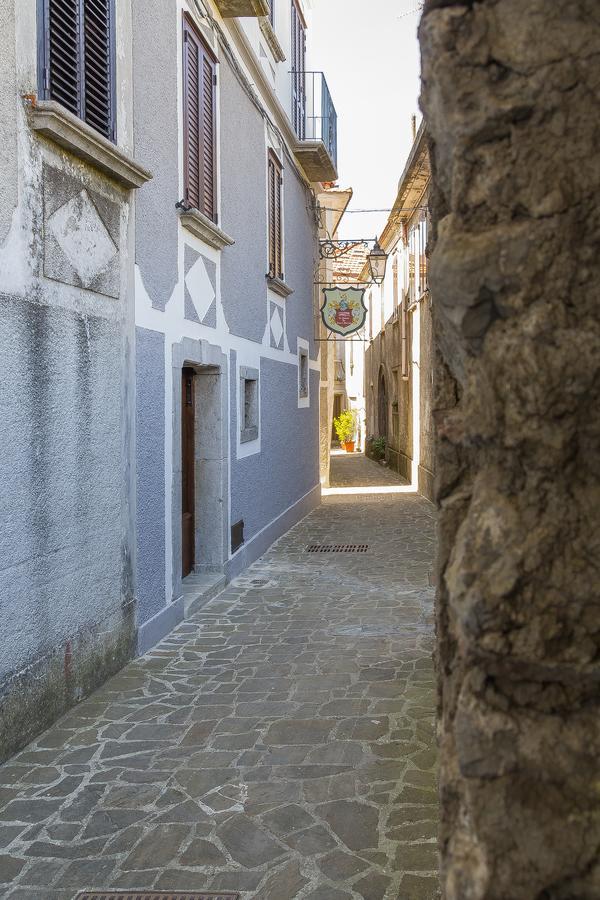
(200, 288)
(276, 326)
(82, 237)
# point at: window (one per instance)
(249, 404)
(200, 72)
(298, 71)
(77, 59)
(275, 183)
(303, 374)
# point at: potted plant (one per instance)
(345, 427)
(378, 447)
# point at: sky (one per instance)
(372, 66)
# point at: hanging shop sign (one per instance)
(343, 310)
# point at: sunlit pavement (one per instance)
(280, 744)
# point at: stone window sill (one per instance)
(249, 434)
(202, 227)
(59, 125)
(271, 39)
(279, 287)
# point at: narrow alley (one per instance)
(279, 744)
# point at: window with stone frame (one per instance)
(249, 404)
(303, 374)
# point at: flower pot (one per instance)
(349, 446)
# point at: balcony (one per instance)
(243, 8)
(315, 122)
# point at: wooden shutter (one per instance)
(274, 185)
(271, 205)
(77, 60)
(62, 75)
(98, 94)
(199, 123)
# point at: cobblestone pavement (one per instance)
(280, 743)
(355, 470)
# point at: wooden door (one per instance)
(188, 491)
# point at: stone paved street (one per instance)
(281, 743)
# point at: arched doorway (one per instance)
(382, 405)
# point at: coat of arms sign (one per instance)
(343, 310)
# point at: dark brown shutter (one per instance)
(278, 226)
(98, 99)
(77, 59)
(62, 76)
(274, 184)
(271, 204)
(199, 124)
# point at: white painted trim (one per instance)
(245, 449)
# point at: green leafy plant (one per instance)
(378, 446)
(345, 425)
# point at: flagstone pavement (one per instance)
(280, 743)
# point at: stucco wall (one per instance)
(157, 141)
(8, 117)
(243, 209)
(264, 485)
(66, 504)
(300, 259)
(150, 473)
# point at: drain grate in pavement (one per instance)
(153, 895)
(337, 548)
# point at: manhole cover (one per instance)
(337, 548)
(153, 895)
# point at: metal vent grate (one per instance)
(154, 895)
(337, 548)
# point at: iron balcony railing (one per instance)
(313, 113)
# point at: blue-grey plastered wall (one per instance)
(300, 258)
(243, 209)
(156, 130)
(150, 473)
(265, 485)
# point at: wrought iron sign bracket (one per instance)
(330, 249)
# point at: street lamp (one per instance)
(377, 259)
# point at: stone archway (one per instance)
(507, 97)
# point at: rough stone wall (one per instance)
(510, 95)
